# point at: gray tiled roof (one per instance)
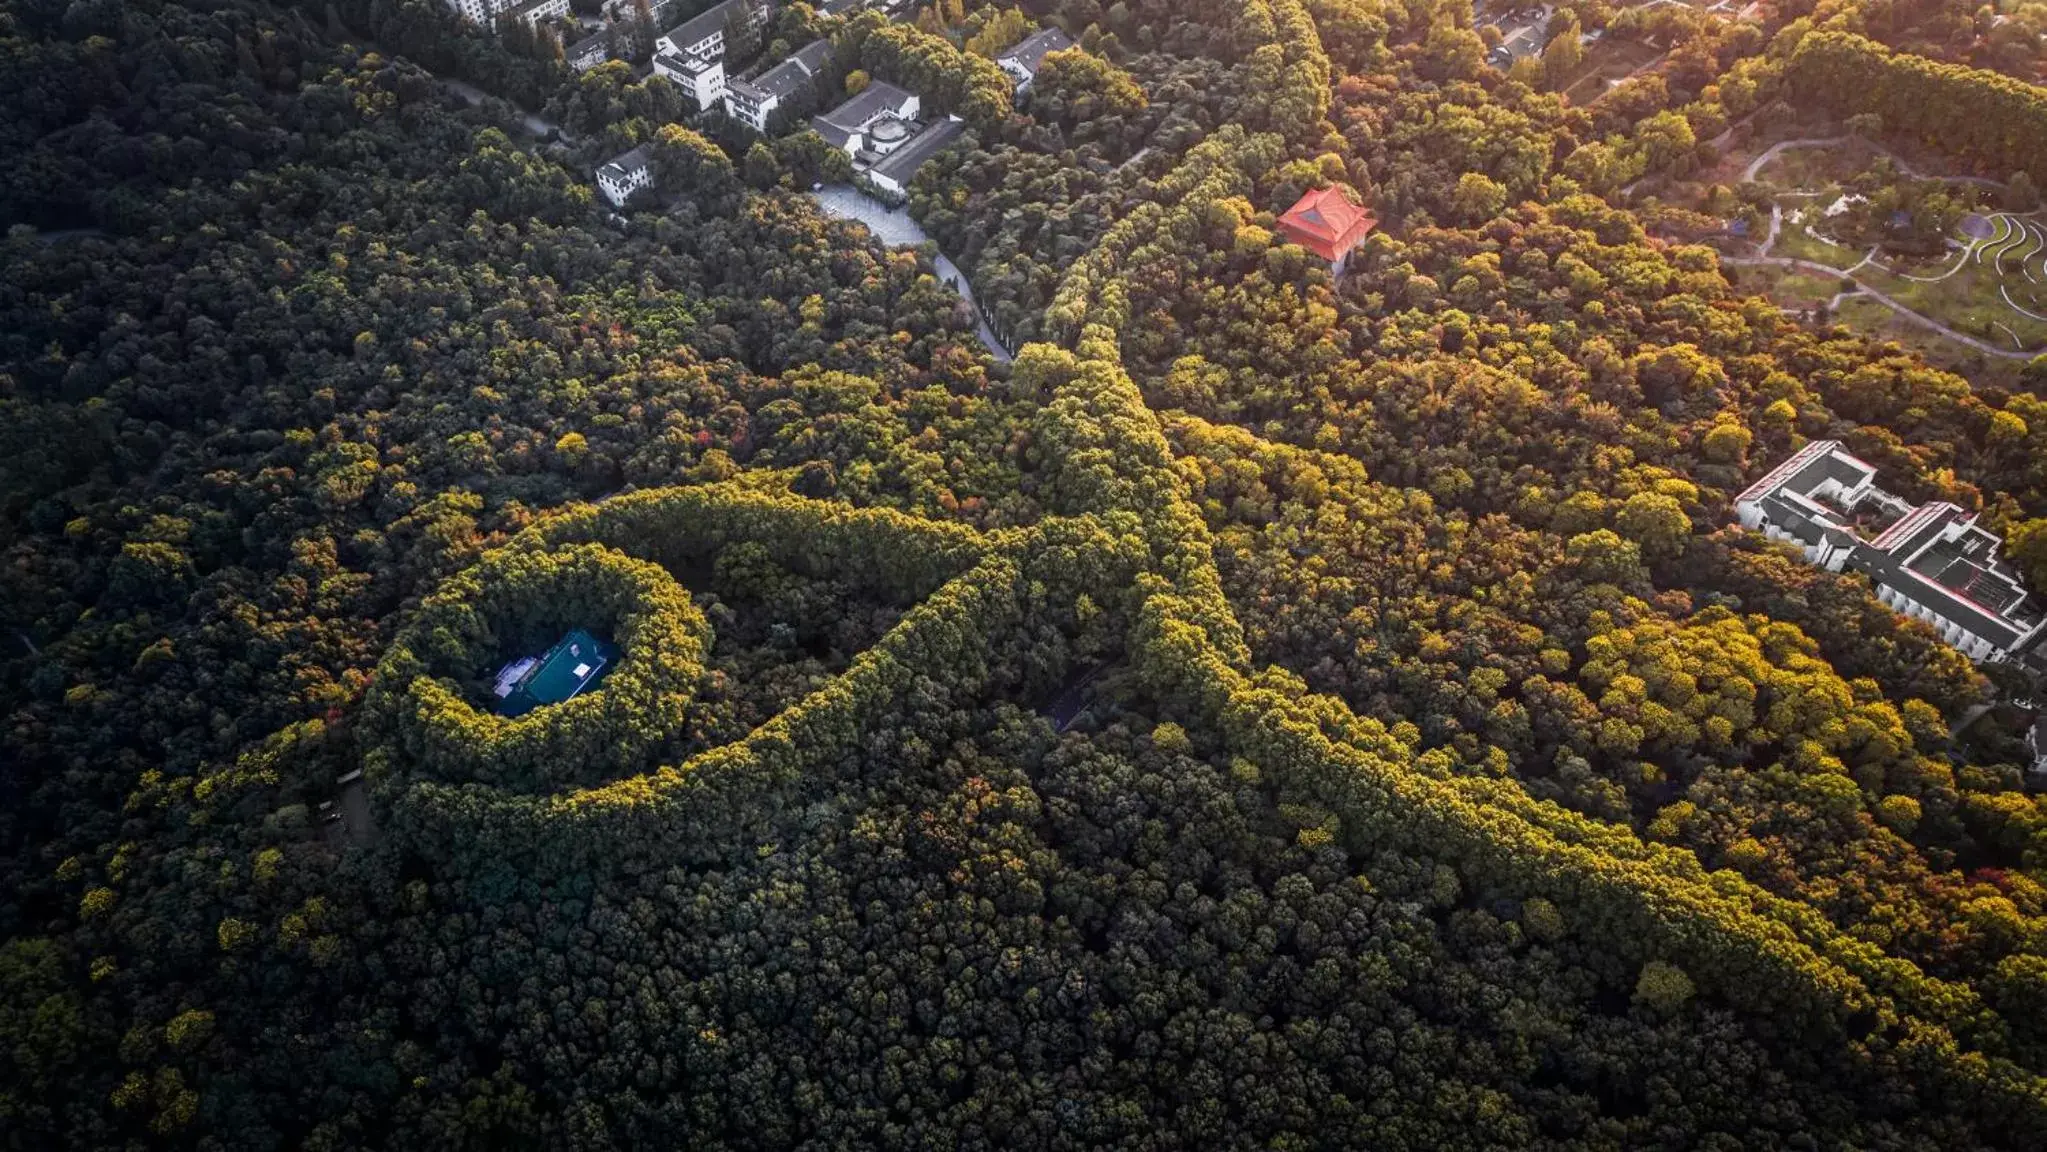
(1935, 553)
(620, 166)
(791, 74)
(1032, 50)
(705, 23)
(904, 162)
(839, 124)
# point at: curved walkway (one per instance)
(1879, 297)
(1967, 250)
(893, 226)
(534, 123)
(1778, 149)
(1904, 165)
(2006, 293)
(2010, 230)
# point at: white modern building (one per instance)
(878, 120)
(892, 172)
(692, 54)
(534, 12)
(704, 33)
(880, 130)
(1023, 61)
(588, 52)
(487, 12)
(625, 175)
(483, 12)
(701, 78)
(752, 102)
(1932, 561)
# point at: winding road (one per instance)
(1781, 146)
(1865, 290)
(1904, 165)
(533, 122)
(1996, 247)
(893, 226)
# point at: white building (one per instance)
(1023, 61)
(487, 12)
(701, 78)
(483, 12)
(704, 34)
(588, 52)
(881, 118)
(751, 102)
(1933, 561)
(892, 172)
(880, 130)
(625, 175)
(534, 12)
(692, 54)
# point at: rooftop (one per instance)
(1826, 454)
(623, 165)
(877, 99)
(687, 65)
(576, 662)
(902, 163)
(1031, 51)
(790, 75)
(1325, 222)
(707, 23)
(1934, 553)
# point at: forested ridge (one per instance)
(1276, 710)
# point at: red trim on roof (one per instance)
(1917, 518)
(1325, 222)
(1784, 471)
(1985, 610)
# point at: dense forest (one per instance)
(1274, 710)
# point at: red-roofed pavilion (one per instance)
(1326, 223)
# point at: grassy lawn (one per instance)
(1969, 301)
(1606, 61)
(1796, 240)
(2012, 256)
(1880, 323)
(1787, 288)
(1972, 300)
(1809, 169)
(1909, 266)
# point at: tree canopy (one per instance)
(1275, 709)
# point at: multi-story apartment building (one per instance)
(751, 102)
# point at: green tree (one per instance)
(1562, 57)
(1478, 198)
